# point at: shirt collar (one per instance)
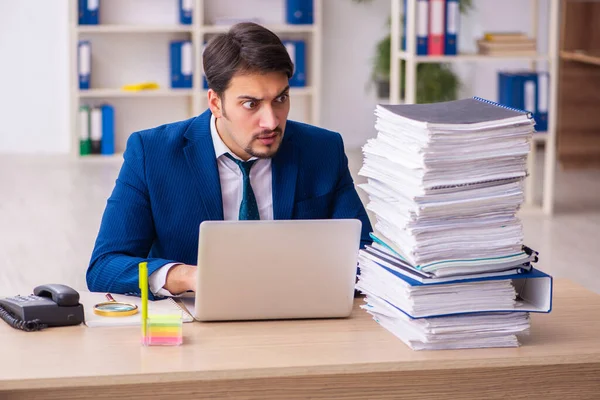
(220, 146)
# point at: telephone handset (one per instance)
(49, 305)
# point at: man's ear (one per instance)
(215, 104)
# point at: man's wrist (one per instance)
(181, 278)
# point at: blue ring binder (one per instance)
(528, 113)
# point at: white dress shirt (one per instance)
(231, 180)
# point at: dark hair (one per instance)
(246, 48)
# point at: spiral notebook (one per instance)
(89, 299)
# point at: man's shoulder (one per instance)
(310, 134)
(166, 133)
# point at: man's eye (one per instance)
(249, 105)
(282, 98)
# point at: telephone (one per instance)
(49, 305)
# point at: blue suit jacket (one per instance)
(169, 183)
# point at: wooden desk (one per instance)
(351, 359)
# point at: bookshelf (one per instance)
(132, 47)
(579, 85)
(546, 139)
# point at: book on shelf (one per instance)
(526, 90)
(506, 44)
(437, 25)
(182, 65)
(88, 12)
(297, 52)
(96, 130)
(299, 11)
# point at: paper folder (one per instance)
(534, 289)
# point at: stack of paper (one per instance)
(445, 182)
(503, 43)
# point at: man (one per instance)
(241, 159)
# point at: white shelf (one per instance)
(472, 57)
(101, 93)
(277, 28)
(134, 28)
(185, 103)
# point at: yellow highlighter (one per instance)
(143, 269)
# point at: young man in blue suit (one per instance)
(241, 159)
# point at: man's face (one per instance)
(252, 113)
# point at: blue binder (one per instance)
(186, 11)
(299, 11)
(107, 144)
(422, 29)
(84, 64)
(505, 89)
(181, 64)
(534, 289)
(297, 51)
(81, 12)
(88, 11)
(452, 18)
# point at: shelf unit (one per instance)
(198, 32)
(578, 122)
(551, 58)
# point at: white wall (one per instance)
(34, 105)
(34, 86)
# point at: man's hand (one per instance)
(181, 278)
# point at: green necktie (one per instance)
(248, 207)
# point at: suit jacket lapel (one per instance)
(285, 171)
(201, 159)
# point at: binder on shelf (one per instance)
(107, 143)
(452, 18)
(181, 64)
(422, 29)
(186, 11)
(436, 27)
(297, 51)
(299, 11)
(84, 63)
(88, 11)
(505, 89)
(526, 90)
(96, 130)
(85, 144)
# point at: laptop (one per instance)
(280, 269)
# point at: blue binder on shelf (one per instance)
(452, 19)
(534, 292)
(299, 11)
(422, 28)
(186, 11)
(107, 144)
(88, 11)
(526, 90)
(297, 51)
(84, 64)
(505, 89)
(181, 64)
